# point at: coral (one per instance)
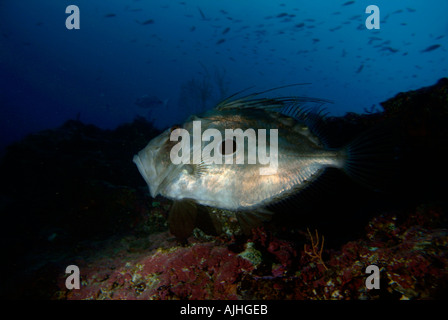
(200, 271)
(413, 262)
(410, 249)
(315, 252)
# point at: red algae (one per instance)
(199, 271)
(412, 260)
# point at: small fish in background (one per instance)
(110, 15)
(146, 22)
(281, 15)
(220, 41)
(397, 11)
(335, 28)
(348, 3)
(150, 102)
(431, 48)
(360, 68)
(198, 189)
(390, 49)
(202, 15)
(372, 39)
(226, 30)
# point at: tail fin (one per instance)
(373, 158)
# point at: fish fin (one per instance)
(227, 102)
(313, 117)
(307, 110)
(208, 222)
(249, 220)
(199, 169)
(258, 93)
(280, 104)
(373, 158)
(309, 191)
(182, 218)
(273, 104)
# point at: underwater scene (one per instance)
(224, 150)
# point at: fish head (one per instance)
(153, 162)
(176, 180)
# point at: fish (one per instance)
(393, 50)
(146, 22)
(348, 3)
(281, 15)
(225, 30)
(431, 48)
(110, 15)
(251, 187)
(150, 102)
(360, 68)
(335, 28)
(371, 39)
(202, 14)
(220, 41)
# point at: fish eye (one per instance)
(228, 147)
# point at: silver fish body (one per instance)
(301, 157)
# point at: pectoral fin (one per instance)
(186, 214)
(182, 218)
(208, 222)
(252, 219)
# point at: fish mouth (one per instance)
(144, 173)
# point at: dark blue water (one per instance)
(125, 49)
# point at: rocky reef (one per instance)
(72, 196)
